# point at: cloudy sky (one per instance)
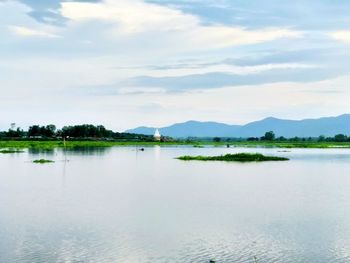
(125, 63)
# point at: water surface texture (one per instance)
(124, 205)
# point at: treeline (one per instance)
(270, 136)
(85, 131)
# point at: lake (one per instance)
(123, 205)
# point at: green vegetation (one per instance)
(269, 140)
(85, 131)
(51, 144)
(269, 136)
(11, 151)
(238, 157)
(87, 135)
(45, 131)
(290, 144)
(42, 161)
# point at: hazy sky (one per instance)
(125, 63)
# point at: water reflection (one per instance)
(70, 150)
(36, 151)
(86, 150)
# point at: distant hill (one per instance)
(328, 126)
(191, 129)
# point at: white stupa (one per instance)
(157, 135)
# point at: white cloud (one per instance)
(133, 17)
(222, 68)
(14, 19)
(342, 35)
(224, 36)
(29, 32)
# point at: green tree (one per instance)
(15, 133)
(34, 131)
(217, 139)
(269, 136)
(50, 130)
(321, 138)
(340, 138)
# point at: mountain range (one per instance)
(327, 126)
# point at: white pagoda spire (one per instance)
(157, 135)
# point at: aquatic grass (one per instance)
(10, 151)
(47, 145)
(42, 161)
(25, 144)
(238, 157)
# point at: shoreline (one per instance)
(50, 144)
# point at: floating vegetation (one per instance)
(43, 161)
(238, 157)
(11, 151)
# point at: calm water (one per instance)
(121, 205)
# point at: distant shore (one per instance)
(50, 144)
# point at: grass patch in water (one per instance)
(11, 151)
(238, 157)
(43, 161)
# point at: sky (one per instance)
(129, 63)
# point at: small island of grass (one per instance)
(238, 157)
(42, 161)
(10, 151)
